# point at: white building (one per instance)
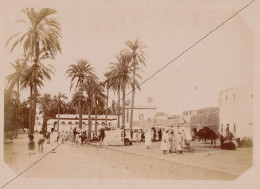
(140, 113)
(68, 121)
(236, 111)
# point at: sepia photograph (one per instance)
(128, 91)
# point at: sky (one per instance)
(96, 31)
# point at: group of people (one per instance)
(136, 135)
(54, 137)
(171, 141)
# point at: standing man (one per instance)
(148, 139)
(101, 136)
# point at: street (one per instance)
(92, 162)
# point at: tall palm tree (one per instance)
(45, 103)
(39, 42)
(122, 77)
(108, 82)
(33, 77)
(138, 57)
(116, 87)
(88, 86)
(59, 102)
(78, 73)
(99, 99)
(79, 100)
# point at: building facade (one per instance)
(140, 113)
(236, 111)
(206, 117)
(71, 121)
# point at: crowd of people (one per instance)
(172, 141)
(54, 138)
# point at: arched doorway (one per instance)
(62, 126)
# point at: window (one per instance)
(234, 98)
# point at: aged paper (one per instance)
(97, 30)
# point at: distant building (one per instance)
(206, 117)
(140, 113)
(161, 115)
(187, 115)
(68, 121)
(236, 111)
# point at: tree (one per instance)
(59, 102)
(40, 42)
(10, 116)
(33, 77)
(45, 103)
(138, 57)
(107, 82)
(17, 66)
(122, 77)
(88, 86)
(79, 100)
(149, 100)
(116, 87)
(99, 99)
(80, 72)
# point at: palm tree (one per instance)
(108, 82)
(88, 86)
(79, 72)
(79, 100)
(122, 77)
(33, 77)
(41, 37)
(59, 102)
(12, 77)
(99, 99)
(45, 103)
(40, 41)
(138, 57)
(116, 87)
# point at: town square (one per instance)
(156, 92)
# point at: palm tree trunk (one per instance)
(80, 116)
(58, 117)
(123, 111)
(30, 114)
(96, 117)
(118, 109)
(132, 104)
(44, 125)
(18, 91)
(89, 121)
(34, 107)
(107, 103)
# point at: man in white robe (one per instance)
(148, 139)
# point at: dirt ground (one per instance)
(128, 162)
